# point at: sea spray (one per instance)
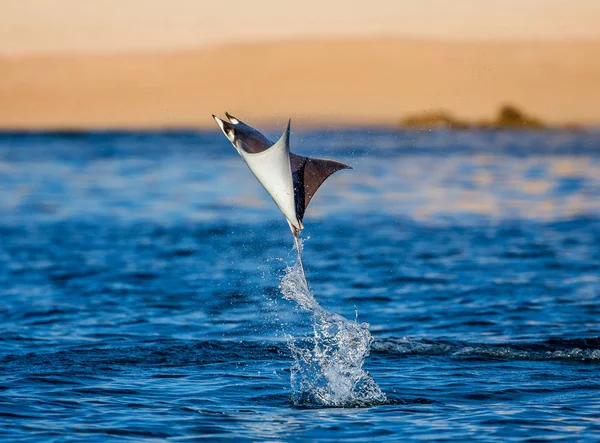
(327, 369)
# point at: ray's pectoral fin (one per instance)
(309, 174)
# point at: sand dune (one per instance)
(374, 81)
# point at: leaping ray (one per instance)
(290, 179)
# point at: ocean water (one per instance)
(150, 290)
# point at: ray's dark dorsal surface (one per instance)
(308, 175)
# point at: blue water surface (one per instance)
(140, 299)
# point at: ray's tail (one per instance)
(298, 246)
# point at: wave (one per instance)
(587, 350)
(173, 353)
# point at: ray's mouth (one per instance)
(222, 123)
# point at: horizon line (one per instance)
(325, 38)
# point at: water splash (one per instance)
(327, 370)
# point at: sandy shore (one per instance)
(375, 81)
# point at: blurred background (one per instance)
(160, 63)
